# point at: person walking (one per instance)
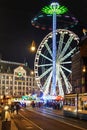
(17, 108)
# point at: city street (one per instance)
(43, 65)
(44, 119)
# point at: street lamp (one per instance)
(32, 75)
(84, 73)
(33, 46)
(32, 72)
(84, 69)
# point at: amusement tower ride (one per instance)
(52, 60)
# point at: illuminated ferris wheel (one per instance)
(66, 43)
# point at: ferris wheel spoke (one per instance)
(61, 92)
(66, 46)
(70, 86)
(43, 65)
(47, 84)
(46, 57)
(65, 80)
(66, 69)
(59, 82)
(68, 62)
(45, 73)
(60, 44)
(68, 54)
(48, 48)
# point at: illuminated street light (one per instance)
(32, 72)
(84, 69)
(33, 46)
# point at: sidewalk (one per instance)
(13, 126)
(7, 124)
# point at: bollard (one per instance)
(6, 125)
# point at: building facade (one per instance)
(76, 72)
(79, 68)
(83, 53)
(16, 80)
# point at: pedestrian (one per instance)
(12, 109)
(17, 108)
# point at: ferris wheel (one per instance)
(66, 43)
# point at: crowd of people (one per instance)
(15, 107)
(51, 104)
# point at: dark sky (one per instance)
(16, 31)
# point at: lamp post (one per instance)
(32, 75)
(84, 72)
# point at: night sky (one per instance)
(17, 33)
